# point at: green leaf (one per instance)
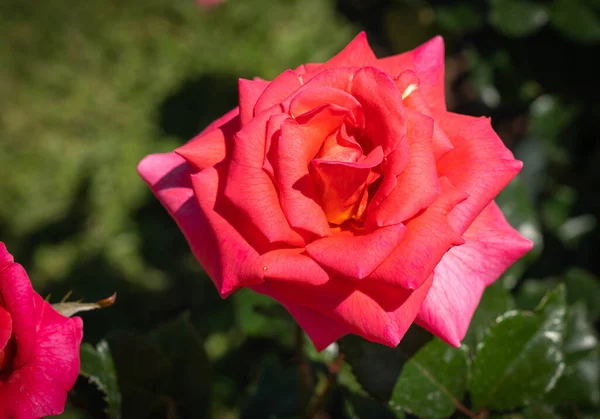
(142, 372)
(357, 406)
(517, 18)
(585, 287)
(580, 381)
(163, 372)
(276, 394)
(98, 366)
(580, 336)
(576, 20)
(520, 357)
(495, 301)
(433, 382)
(581, 286)
(377, 367)
(179, 342)
(532, 291)
(540, 411)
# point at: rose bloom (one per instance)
(39, 348)
(347, 192)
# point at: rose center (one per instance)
(342, 174)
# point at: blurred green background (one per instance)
(89, 88)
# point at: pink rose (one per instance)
(39, 348)
(348, 193)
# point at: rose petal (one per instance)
(341, 147)
(228, 258)
(321, 329)
(5, 258)
(428, 237)
(292, 265)
(356, 256)
(383, 109)
(418, 185)
(480, 164)
(249, 91)
(284, 85)
(252, 191)
(39, 388)
(427, 61)
(313, 98)
(341, 185)
(5, 330)
(492, 245)
(408, 82)
(206, 150)
(272, 137)
(300, 141)
(357, 53)
(335, 78)
(312, 67)
(250, 143)
(169, 177)
(375, 311)
(17, 295)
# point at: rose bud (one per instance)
(347, 192)
(39, 348)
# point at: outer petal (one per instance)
(492, 245)
(375, 311)
(357, 53)
(418, 185)
(321, 329)
(39, 388)
(292, 265)
(384, 112)
(283, 86)
(428, 237)
(5, 258)
(427, 61)
(413, 98)
(17, 294)
(229, 259)
(479, 164)
(210, 147)
(356, 256)
(221, 121)
(169, 177)
(249, 91)
(251, 189)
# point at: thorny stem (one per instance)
(483, 414)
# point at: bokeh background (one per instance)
(89, 88)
